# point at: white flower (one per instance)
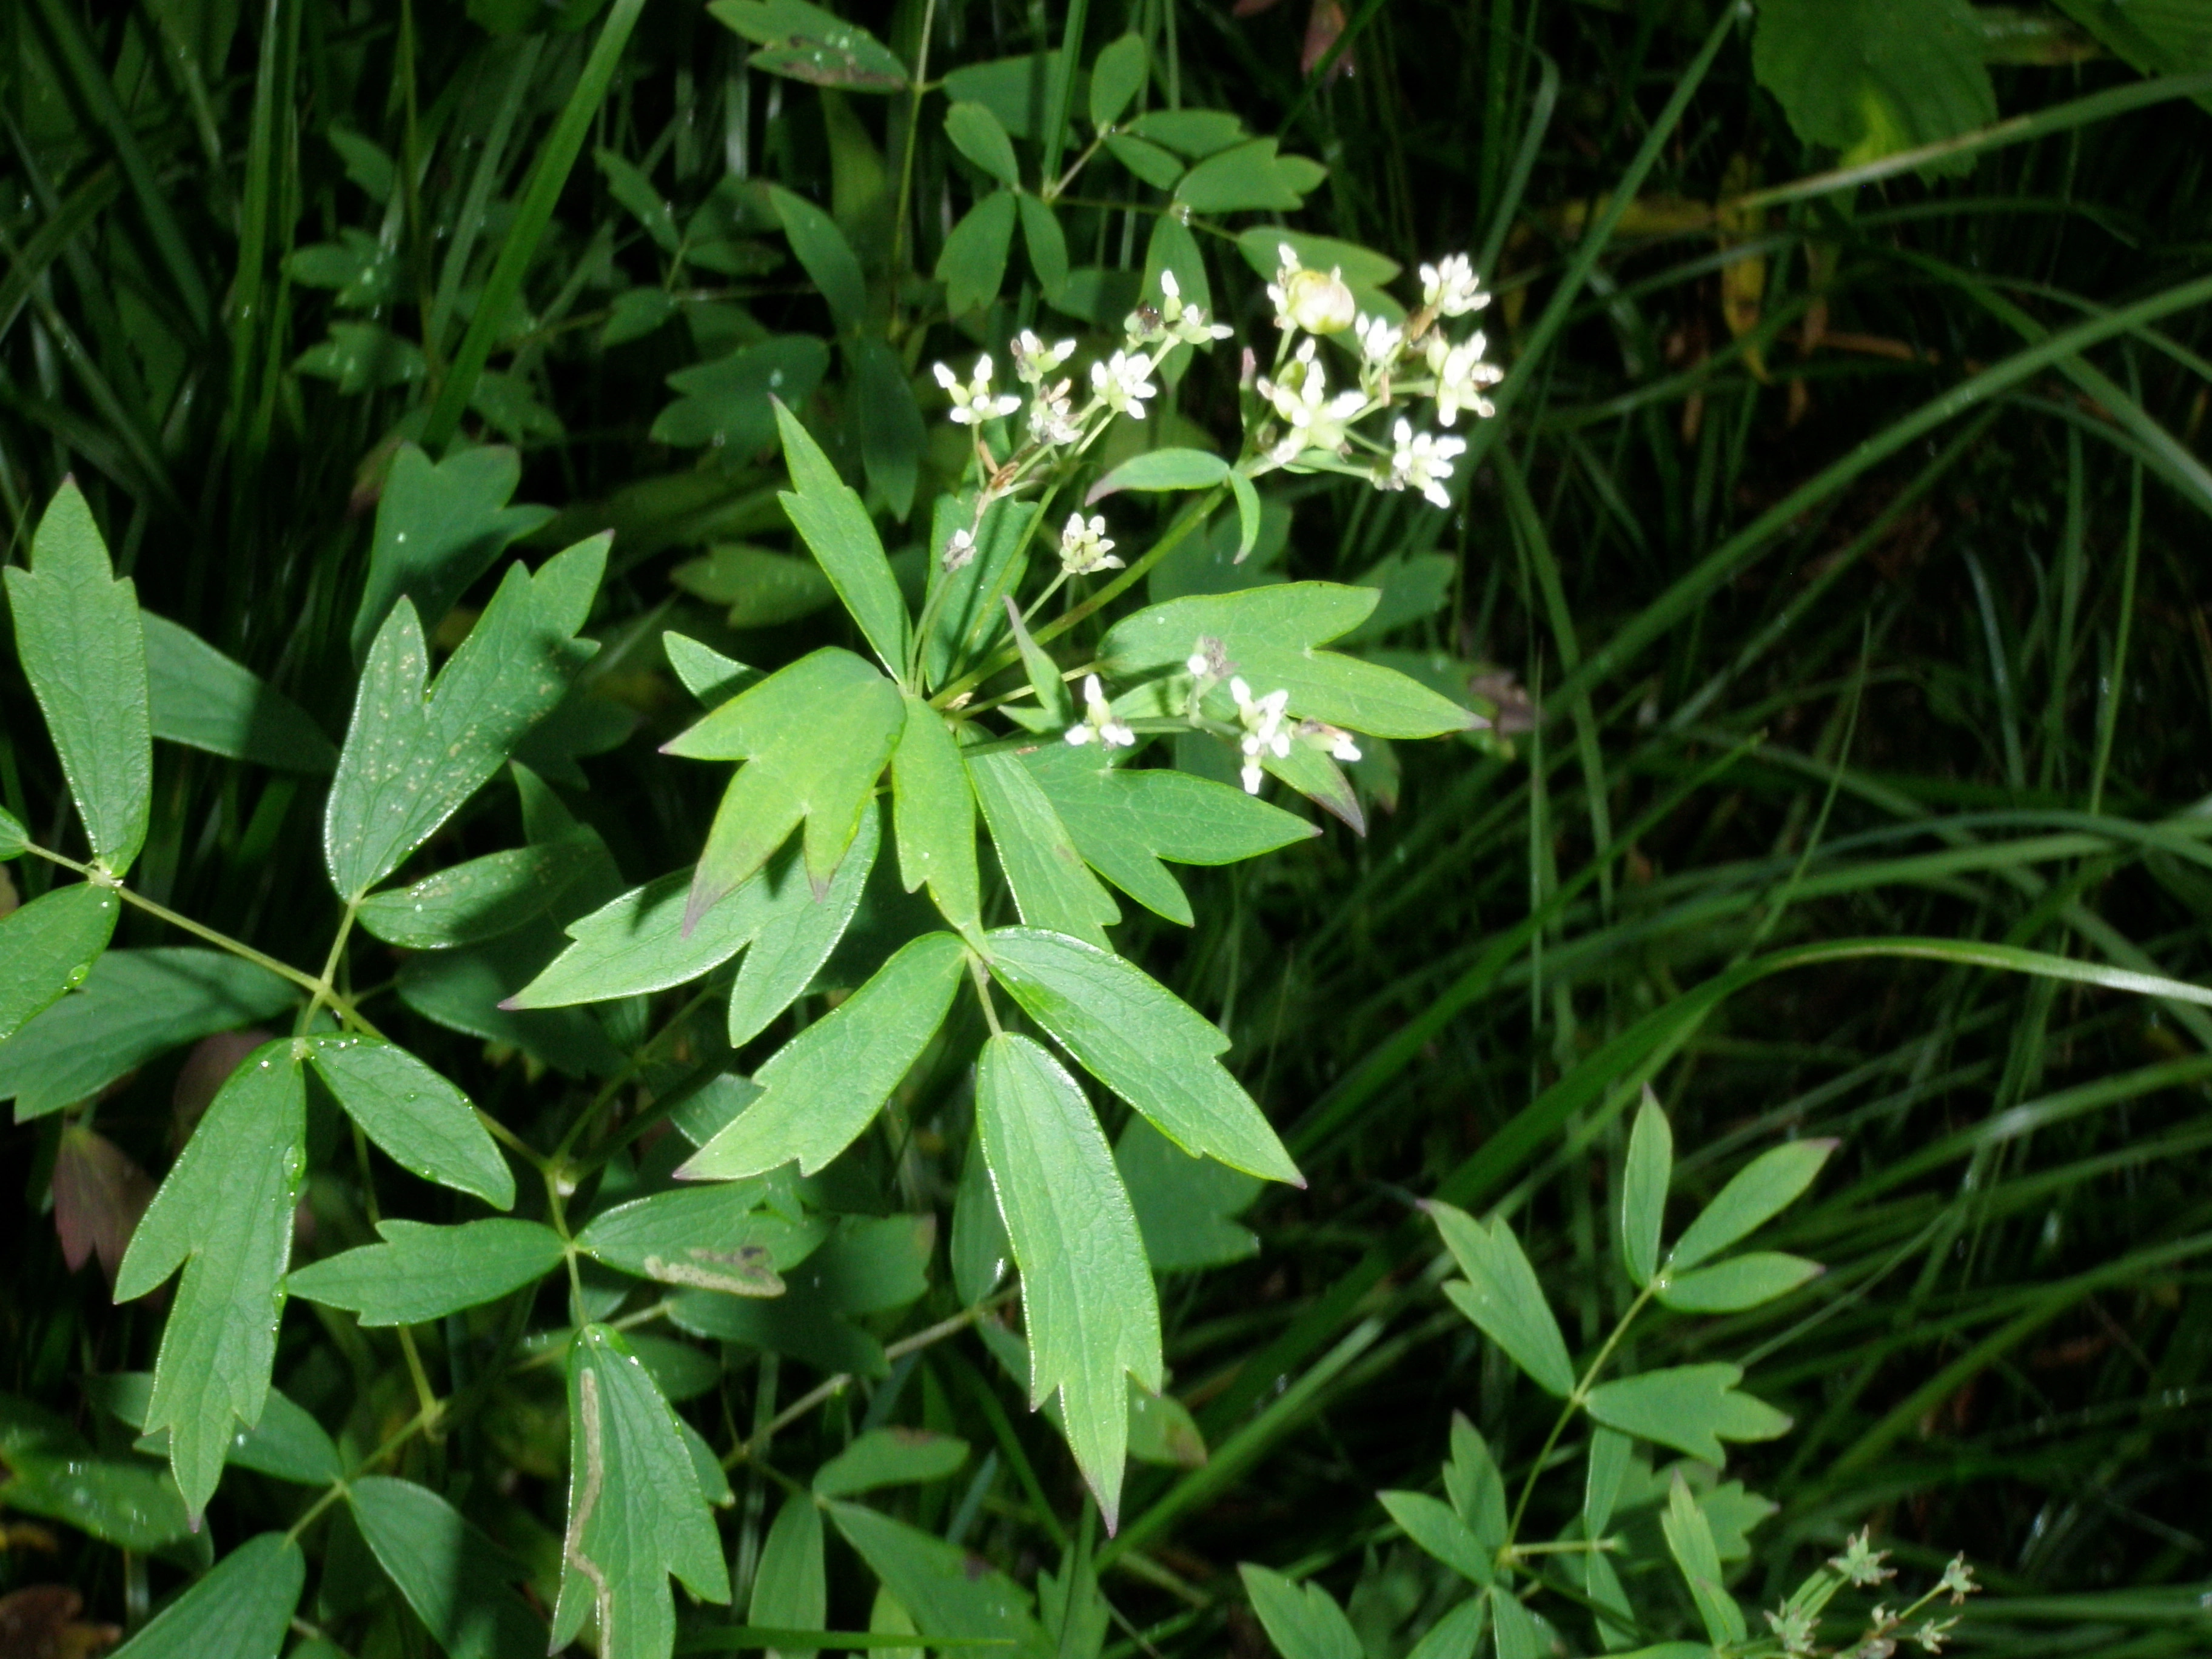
(973, 403)
(1262, 721)
(1278, 291)
(1452, 287)
(1379, 341)
(1188, 324)
(1098, 723)
(1034, 359)
(1959, 1579)
(1123, 383)
(1461, 375)
(1314, 420)
(1085, 549)
(1422, 461)
(1051, 421)
(1319, 734)
(958, 551)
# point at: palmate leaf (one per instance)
(1691, 1408)
(799, 934)
(410, 759)
(636, 1514)
(453, 1576)
(1272, 635)
(421, 1273)
(822, 1089)
(1302, 1621)
(1501, 1296)
(1142, 1042)
(241, 1610)
(829, 515)
(814, 737)
(1087, 1294)
(1125, 820)
(47, 948)
(224, 1215)
(1754, 1196)
(935, 817)
(78, 637)
(421, 1121)
(438, 526)
(1053, 888)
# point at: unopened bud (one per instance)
(1319, 303)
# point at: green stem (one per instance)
(1567, 1412)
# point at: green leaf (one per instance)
(808, 44)
(224, 1215)
(1411, 586)
(1690, 1541)
(889, 1457)
(628, 185)
(815, 735)
(799, 932)
(53, 1471)
(199, 697)
(1272, 634)
(13, 838)
(1142, 1042)
(1017, 89)
(1513, 1628)
(2163, 37)
(950, 1594)
(1455, 1634)
(78, 638)
(829, 516)
(827, 256)
(760, 588)
(972, 608)
(1051, 886)
(1476, 1487)
(422, 1122)
(1147, 160)
(868, 1266)
(1161, 469)
(1644, 1180)
(1162, 1432)
(977, 135)
(241, 1610)
(438, 526)
(1248, 177)
(47, 948)
(1193, 132)
(635, 943)
(421, 1273)
(1741, 1282)
(133, 1005)
(822, 1088)
(1501, 1296)
(1302, 1621)
(636, 312)
(1054, 709)
(1183, 1203)
(707, 674)
(1087, 1296)
(636, 1511)
(286, 1443)
(1691, 1408)
(935, 817)
(729, 404)
(410, 760)
(481, 899)
(791, 1586)
(466, 991)
(1608, 1465)
(453, 1576)
(714, 1238)
(1432, 1524)
(981, 1252)
(891, 434)
(1047, 243)
(1764, 1188)
(1124, 821)
(1872, 77)
(1117, 74)
(972, 264)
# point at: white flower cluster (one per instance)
(1099, 723)
(1265, 722)
(1397, 361)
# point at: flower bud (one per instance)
(1320, 304)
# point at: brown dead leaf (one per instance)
(99, 1196)
(41, 1622)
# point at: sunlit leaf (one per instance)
(47, 948)
(421, 1273)
(1052, 887)
(420, 1120)
(242, 1609)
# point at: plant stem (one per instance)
(1567, 1412)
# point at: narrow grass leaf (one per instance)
(1760, 1190)
(1087, 1296)
(712, 1238)
(636, 1514)
(1302, 1621)
(1741, 1282)
(421, 1121)
(1501, 1296)
(1142, 1042)
(821, 1090)
(47, 948)
(1693, 1408)
(1052, 886)
(1644, 1179)
(242, 1609)
(224, 1215)
(78, 638)
(421, 1273)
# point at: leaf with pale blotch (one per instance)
(241, 1610)
(1125, 820)
(224, 1215)
(868, 1266)
(1087, 1294)
(47, 948)
(829, 517)
(412, 757)
(808, 44)
(813, 737)
(78, 638)
(421, 1273)
(1142, 1042)
(1691, 1408)
(482, 898)
(636, 1514)
(1501, 1296)
(822, 1089)
(421, 1121)
(453, 1576)
(800, 931)
(1053, 888)
(712, 1238)
(935, 817)
(1272, 636)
